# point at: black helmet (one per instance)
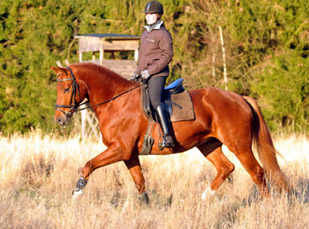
(154, 7)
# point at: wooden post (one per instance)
(80, 56)
(136, 54)
(101, 56)
(83, 112)
(223, 56)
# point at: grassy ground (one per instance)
(38, 173)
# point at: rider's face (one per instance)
(151, 18)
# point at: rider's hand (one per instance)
(135, 77)
(145, 74)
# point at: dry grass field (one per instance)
(38, 173)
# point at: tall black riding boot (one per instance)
(167, 137)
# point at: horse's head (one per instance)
(68, 95)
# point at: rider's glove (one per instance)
(145, 74)
(135, 77)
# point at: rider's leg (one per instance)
(156, 88)
(167, 137)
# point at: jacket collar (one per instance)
(157, 25)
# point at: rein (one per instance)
(75, 87)
(106, 101)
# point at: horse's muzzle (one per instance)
(62, 120)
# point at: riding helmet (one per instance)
(154, 7)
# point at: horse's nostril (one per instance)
(60, 121)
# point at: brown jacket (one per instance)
(156, 51)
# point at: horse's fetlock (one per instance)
(81, 183)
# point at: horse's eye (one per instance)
(66, 90)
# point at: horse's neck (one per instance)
(103, 86)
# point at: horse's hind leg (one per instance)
(245, 155)
(134, 167)
(223, 165)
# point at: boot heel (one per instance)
(161, 146)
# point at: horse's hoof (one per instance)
(76, 194)
(144, 198)
(207, 192)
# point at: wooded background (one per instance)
(261, 47)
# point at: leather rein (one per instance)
(74, 104)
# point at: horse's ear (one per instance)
(55, 69)
(58, 70)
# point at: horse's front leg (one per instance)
(109, 156)
(134, 167)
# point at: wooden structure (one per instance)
(111, 43)
(103, 43)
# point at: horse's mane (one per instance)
(102, 73)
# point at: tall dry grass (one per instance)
(38, 173)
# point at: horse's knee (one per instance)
(226, 170)
(126, 156)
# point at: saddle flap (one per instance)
(182, 109)
(145, 99)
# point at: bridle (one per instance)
(74, 104)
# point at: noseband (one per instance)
(73, 103)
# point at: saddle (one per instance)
(175, 87)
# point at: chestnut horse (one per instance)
(222, 117)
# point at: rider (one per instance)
(156, 51)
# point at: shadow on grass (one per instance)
(300, 191)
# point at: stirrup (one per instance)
(167, 142)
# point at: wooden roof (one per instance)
(111, 36)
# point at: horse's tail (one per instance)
(265, 147)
